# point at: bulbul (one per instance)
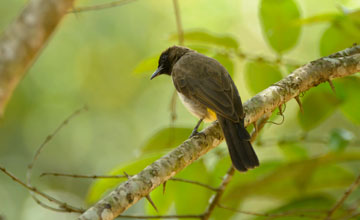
(208, 92)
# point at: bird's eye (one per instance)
(164, 58)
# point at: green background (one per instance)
(103, 59)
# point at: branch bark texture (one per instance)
(337, 65)
(23, 40)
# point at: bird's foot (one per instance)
(193, 133)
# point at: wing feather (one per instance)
(209, 84)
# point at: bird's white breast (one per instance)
(196, 108)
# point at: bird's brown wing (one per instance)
(204, 79)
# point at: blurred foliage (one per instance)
(101, 186)
(340, 139)
(268, 73)
(318, 105)
(203, 37)
(347, 90)
(166, 139)
(276, 18)
(293, 151)
(91, 60)
(303, 205)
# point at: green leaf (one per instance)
(240, 186)
(331, 176)
(204, 49)
(260, 75)
(339, 139)
(101, 186)
(147, 65)
(301, 206)
(239, 179)
(271, 178)
(226, 61)
(208, 38)
(355, 16)
(166, 138)
(342, 33)
(318, 105)
(190, 198)
(293, 151)
(277, 21)
(347, 89)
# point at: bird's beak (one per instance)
(156, 73)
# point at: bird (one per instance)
(207, 90)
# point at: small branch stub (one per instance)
(331, 85)
(297, 98)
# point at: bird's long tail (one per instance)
(238, 141)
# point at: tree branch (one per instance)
(65, 207)
(216, 198)
(343, 198)
(100, 6)
(124, 176)
(23, 40)
(341, 64)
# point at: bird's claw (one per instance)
(193, 133)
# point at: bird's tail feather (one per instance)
(237, 138)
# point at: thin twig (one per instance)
(289, 213)
(172, 108)
(83, 176)
(123, 176)
(355, 205)
(178, 22)
(351, 211)
(216, 198)
(164, 187)
(347, 193)
(332, 86)
(195, 183)
(352, 216)
(257, 58)
(317, 140)
(281, 113)
(147, 196)
(64, 207)
(278, 123)
(180, 33)
(214, 201)
(258, 125)
(100, 6)
(297, 98)
(51, 136)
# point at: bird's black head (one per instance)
(168, 58)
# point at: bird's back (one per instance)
(205, 80)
